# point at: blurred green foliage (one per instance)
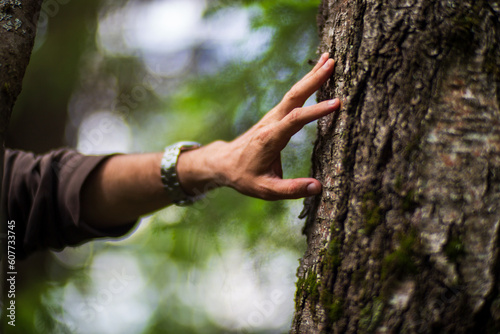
(177, 243)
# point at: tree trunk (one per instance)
(405, 237)
(18, 21)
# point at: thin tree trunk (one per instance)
(405, 237)
(18, 21)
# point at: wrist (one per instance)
(201, 170)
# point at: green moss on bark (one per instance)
(371, 315)
(332, 257)
(401, 262)
(371, 211)
(310, 287)
(333, 306)
(454, 249)
(309, 284)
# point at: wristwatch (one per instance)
(169, 175)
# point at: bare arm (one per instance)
(122, 189)
(127, 186)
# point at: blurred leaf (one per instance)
(178, 242)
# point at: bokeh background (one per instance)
(134, 76)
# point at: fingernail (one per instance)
(327, 64)
(334, 102)
(313, 189)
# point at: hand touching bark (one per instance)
(251, 163)
(125, 187)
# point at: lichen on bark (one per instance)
(18, 21)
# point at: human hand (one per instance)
(124, 187)
(251, 163)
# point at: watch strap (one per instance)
(169, 174)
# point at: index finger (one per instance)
(302, 90)
(321, 61)
(299, 117)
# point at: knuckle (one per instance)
(272, 191)
(265, 192)
(317, 79)
(264, 135)
(294, 116)
(293, 188)
(292, 95)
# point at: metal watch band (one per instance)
(169, 176)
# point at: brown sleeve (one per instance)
(43, 198)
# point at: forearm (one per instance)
(122, 189)
(126, 187)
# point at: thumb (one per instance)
(294, 188)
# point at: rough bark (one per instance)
(18, 21)
(405, 237)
